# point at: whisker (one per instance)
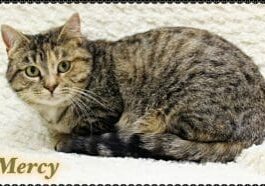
(83, 109)
(86, 95)
(89, 92)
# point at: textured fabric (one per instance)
(23, 136)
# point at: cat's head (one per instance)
(48, 68)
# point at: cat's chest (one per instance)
(56, 118)
(51, 114)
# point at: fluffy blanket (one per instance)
(23, 136)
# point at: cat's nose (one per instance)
(51, 87)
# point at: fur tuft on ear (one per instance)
(71, 28)
(12, 37)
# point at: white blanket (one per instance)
(22, 134)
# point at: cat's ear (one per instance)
(12, 37)
(71, 29)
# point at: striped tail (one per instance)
(156, 146)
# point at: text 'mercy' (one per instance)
(13, 166)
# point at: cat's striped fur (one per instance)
(169, 93)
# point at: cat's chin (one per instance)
(52, 102)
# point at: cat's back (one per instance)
(178, 61)
(170, 47)
(173, 51)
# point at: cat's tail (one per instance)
(157, 146)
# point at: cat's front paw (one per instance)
(73, 144)
(64, 145)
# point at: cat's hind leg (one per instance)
(147, 141)
(154, 121)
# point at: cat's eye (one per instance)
(64, 66)
(32, 71)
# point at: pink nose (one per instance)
(51, 88)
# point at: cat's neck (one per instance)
(114, 64)
(103, 79)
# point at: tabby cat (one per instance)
(174, 93)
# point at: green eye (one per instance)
(64, 66)
(32, 71)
